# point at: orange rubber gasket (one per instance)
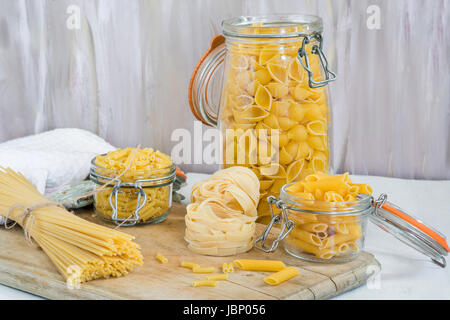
(215, 42)
(180, 173)
(438, 238)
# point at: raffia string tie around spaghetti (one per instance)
(27, 213)
(72, 243)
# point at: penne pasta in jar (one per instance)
(323, 226)
(324, 219)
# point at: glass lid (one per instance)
(272, 26)
(411, 231)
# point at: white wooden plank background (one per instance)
(124, 74)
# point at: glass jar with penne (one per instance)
(326, 230)
(324, 217)
(273, 111)
(133, 186)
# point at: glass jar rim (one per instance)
(233, 27)
(357, 207)
(141, 175)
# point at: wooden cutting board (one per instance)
(26, 267)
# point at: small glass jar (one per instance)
(138, 197)
(326, 231)
(323, 231)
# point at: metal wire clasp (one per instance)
(379, 202)
(131, 220)
(288, 225)
(316, 49)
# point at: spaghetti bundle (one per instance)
(220, 220)
(81, 250)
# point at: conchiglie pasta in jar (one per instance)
(273, 108)
(133, 186)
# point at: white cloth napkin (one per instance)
(53, 158)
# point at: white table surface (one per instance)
(405, 274)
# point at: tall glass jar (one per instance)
(274, 108)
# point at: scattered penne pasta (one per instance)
(259, 265)
(281, 276)
(197, 269)
(188, 264)
(228, 267)
(161, 258)
(204, 283)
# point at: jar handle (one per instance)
(316, 49)
(288, 225)
(201, 77)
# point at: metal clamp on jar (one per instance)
(296, 211)
(139, 205)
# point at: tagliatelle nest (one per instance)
(220, 221)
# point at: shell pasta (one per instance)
(268, 110)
